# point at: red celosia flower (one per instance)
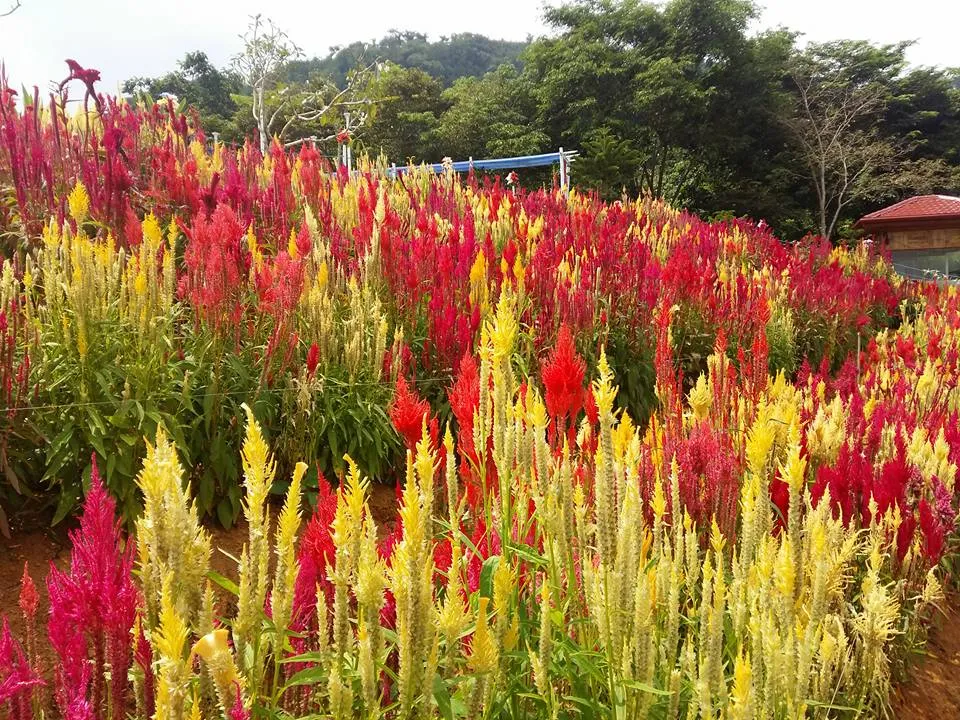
(313, 357)
(590, 406)
(908, 525)
(215, 269)
(709, 472)
(88, 76)
(408, 412)
(464, 397)
(304, 242)
(934, 532)
(29, 597)
(315, 557)
(562, 374)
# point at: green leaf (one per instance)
(225, 512)
(307, 676)
(65, 506)
(486, 575)
(226, 583)
(205, 492)
(96, 421)
(643, 687)
(307, 657)
(442, 696)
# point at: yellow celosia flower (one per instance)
(79, 203)
(173, 672)
(292, 244)
(700, 398)
(604, 391)
(503, 330)
(152, 234)
(483, 649)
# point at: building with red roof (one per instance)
(922, 234)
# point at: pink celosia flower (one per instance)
(238, 711)
(17, 678)
(143, 656)
(92, 608)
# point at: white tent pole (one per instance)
(563, 173)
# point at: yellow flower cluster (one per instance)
(594, 592)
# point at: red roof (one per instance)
(919, 208)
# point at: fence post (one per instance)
(563, 171)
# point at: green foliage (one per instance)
(408, 103)
(632, 363)
(103, 404)
(217, 382)
(326, 417)
(492, 116)
(610, 164)
(459, 55)
(197, 83)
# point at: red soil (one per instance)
(932, 688)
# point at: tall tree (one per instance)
(409, 104)
(446, 59)
(199, 84)
(278, 107)
(857, 139)
(492, 116)
(266, 51)
(660, 80)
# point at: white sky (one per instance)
(123, 38)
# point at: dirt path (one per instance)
(932, 690)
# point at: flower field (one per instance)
(647, 465)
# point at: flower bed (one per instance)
(649, 466)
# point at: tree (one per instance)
(843, 91)
(609, 163)
(674, 82)
(197, 83)
(446, 59)
(492, 116)
(409, 104)
(278, 107)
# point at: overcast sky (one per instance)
(124, 38)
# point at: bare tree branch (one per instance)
(11, 10)
(277, 107)
(833, 125)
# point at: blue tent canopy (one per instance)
(512, 163)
